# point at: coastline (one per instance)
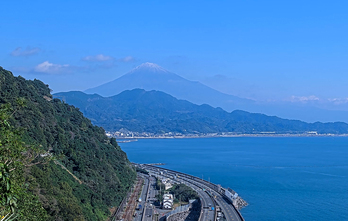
(134, 138)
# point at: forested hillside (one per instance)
(100, 171)
(157, 112)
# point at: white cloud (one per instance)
(99, 57)
(338, 101)
(323, 101)
(127, 59)
(304, 99)
(25, 52)
(103, 58)
(50, 68)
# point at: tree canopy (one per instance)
(89, 173)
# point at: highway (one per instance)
(206, 214)
(147, 198)
(143, 195)
(226, 207)
(150, 198)
(230, 212)
(206, 201)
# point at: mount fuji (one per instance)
(149, 76)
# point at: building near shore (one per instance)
(168, 201)
(167, 184)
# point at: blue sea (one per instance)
(282, 178)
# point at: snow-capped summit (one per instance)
(149, 67)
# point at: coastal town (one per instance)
(126, 134)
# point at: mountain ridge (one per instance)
(149, 76)
(157, 112)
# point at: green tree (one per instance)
(15, 201)
(92, 173)
(183, 192)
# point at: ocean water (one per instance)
(282, 178)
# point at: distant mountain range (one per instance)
(157, 112)
(149, 76)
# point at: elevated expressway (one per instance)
(210, 194)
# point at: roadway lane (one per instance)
(143, 197)
(228, 209)
(207, 214)
(150, 198)
(148, 213)
(152, 191)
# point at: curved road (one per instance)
(227, 208)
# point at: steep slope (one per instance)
(101, 171)
(149, 76)
(154, 111)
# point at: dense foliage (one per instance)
(16, 201)
(183, 193)
(156, 112)
(91, 173)
(140, 170)
(161, 188)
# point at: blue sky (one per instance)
(264, 50)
